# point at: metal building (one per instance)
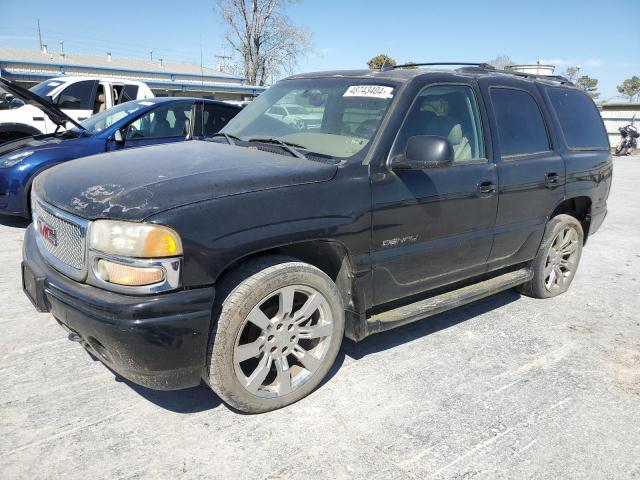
(619, 114)
(28, 67)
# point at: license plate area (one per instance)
(33, 287)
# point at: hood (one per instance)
(30, 143)
(56, 115)
(134, 184)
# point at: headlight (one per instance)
(134, 258)
(11, 160)
(134, 240)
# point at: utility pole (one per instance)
(39, 35)
(222, 59)
(151, 55)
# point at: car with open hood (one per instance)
(132, 124)
(244, 260)
(23, 114)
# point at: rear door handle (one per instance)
(551, 179)
(486, 188)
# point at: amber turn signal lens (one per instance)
(130, 276)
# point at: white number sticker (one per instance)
(370, 91)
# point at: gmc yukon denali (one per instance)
(244, 260)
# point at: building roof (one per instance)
(116, 63)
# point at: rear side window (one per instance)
(579, 119)
(521, 129)
(214, 117)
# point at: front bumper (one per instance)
(156, 341)
(12, 199)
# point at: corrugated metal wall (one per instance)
(616, 118)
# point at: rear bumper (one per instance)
(157, 341)
(597, 219)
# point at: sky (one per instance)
(347, 33)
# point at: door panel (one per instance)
(531, 174)
(435, 226)
(431, 228)
(527, 197)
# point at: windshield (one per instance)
(103, 120)
(43, 89)
(335, 117)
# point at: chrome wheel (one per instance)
(283, 341)
(562, 259)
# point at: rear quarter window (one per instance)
(579, 119)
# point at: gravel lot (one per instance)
(509, 387)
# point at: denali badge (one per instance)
(48, 233)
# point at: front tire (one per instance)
(279, 330)
(557, 260)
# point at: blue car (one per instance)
(133, 124)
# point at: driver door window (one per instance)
(171, 121)
(78, 99)
(448, 111)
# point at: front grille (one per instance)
(68, 246)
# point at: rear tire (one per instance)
(280, 326)
(557, 260)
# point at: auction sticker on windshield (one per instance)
(370, 91)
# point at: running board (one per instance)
(446, 301)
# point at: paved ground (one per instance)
(506, 388)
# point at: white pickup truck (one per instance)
(78, 97)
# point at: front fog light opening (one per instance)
(127, 275)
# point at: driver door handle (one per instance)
(551, 179)
(486, 188)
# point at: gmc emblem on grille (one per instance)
(48, 233)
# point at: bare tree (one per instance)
(500, 62)
(262, 35)
(571, 73)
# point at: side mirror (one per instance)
(425, 151)
(118, 138)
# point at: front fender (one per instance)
(217, 233)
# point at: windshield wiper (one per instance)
(292, 148)
(231, 139)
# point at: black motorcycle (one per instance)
(629, 140)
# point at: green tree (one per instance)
(378, 61)
(630, 88)
(589, 85)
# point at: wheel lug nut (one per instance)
(271, 338)
(293, 338)
(273, 349)
(290, 327)
(279, 326)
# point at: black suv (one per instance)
(379, 198)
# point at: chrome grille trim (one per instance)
(70, 253)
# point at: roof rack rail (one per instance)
(480, 66)
(553, 78)
(385, 67)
